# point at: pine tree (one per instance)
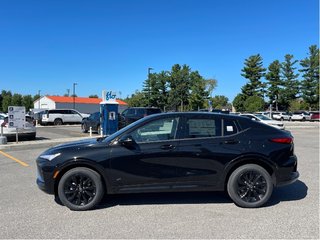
(290, 81)
(253, 71)
(274, 82)
(310, 74)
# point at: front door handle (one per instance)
(232, 141)
(167, 147)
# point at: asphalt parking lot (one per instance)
(27, 212)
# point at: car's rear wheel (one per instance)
(250, 186)
(80, 189)
(57, 122)
(99, 130)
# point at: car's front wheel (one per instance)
(250, 186)
(80, 189)
(84, 128)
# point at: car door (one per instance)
(206, 145)
(75, 116)
(148, 163)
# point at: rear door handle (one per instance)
(167, 147)
(231, 141)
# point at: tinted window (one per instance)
(140, 112)
(153, 111)
(198, 128)
(130, 113)
(158, 130)
(229, 127)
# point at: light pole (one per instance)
(39, 91)
(149, 69)
(74, 95)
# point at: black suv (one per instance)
(133, 114)
(92, 121)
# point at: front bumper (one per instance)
(45, 179)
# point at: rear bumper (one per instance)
(293, 177)
(287, 173)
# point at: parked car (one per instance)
(314, 116)
(300, 116)
(133, 114)
(29, 131)
(264, 119)
(61, 116)
(281, 116)
(170, 152)
(92, 121)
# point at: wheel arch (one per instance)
(258, 160)
(81, 163)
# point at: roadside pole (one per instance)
(3, 139)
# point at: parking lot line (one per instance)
(14, 159)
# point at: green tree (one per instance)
(6, 100)
(27, 101)
(254, 104)
(219, 101)
(238, 102)
(297, 104)
(137, 99)
(159, 89)
(211, 84)
(274, 82)
(310, 74)
(16, 99)
(253, 71)
(198, 93)
(290, 81)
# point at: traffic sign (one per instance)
(16, 117)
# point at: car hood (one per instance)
(77, 144)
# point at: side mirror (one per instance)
(126, 141)
(253, 119)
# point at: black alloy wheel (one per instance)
(250, 186)
(57, 122)
(99, 130)
(80, 189)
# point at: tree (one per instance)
(198, 94)
(310, 74)
(290, 81)
(6, 100)
(16, 99)
(274, 82)
(211, 84)
(238, 102)
(254, 104)
(253, 71)
(137, 100)
(219, 101)
(27, 101)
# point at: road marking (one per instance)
(14, 159)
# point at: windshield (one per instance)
(118, 133)
(262, 117)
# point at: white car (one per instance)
(62, 116)
(29, 131)
(281, 116)
(301, 116)
(264, 119)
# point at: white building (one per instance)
(81, 104)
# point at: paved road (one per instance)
(293, 212)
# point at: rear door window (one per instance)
(202, 127)
(229, 127)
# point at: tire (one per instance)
(57, 122)
(84, 128)
(281, 119)
(99, 130)
(80, 189)
(250, 186)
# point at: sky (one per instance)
(48, 45)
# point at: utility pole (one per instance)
(68, 92)
(74, 95)
(149, 69)
(39, 92)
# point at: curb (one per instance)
(40, 143)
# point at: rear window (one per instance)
(153, 111)
(229, 127)
(199, 128)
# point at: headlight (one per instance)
(50, 156)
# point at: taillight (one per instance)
(286, 140)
